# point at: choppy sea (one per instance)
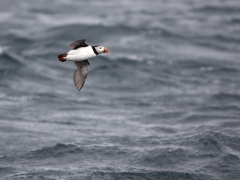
(163, 104)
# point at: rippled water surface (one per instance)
(163, 104)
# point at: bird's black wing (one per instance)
(77, 44)
(80, 74)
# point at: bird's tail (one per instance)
(62, 57)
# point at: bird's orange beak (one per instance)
(105, 50)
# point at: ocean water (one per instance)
(163, 104)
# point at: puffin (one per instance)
(80, 54)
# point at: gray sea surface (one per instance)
(163, 104)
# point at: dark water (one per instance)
(164, 104)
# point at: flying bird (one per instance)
(80, 54)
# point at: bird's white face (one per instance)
(101, 49)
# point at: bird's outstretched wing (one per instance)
(77, 44)
(80, 74)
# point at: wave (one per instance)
(200, 118)
(235, 20)
(225, 97)
(54, 151)
(61, 150)
(89, 31)
(200, 151)
(133, 174)
(225, 108)
(142, 174)
(10, 60)
(218, 9)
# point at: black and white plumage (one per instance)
(80, 54)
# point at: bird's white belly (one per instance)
(78, 57)
(80, 54)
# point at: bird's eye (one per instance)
(100, 48)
